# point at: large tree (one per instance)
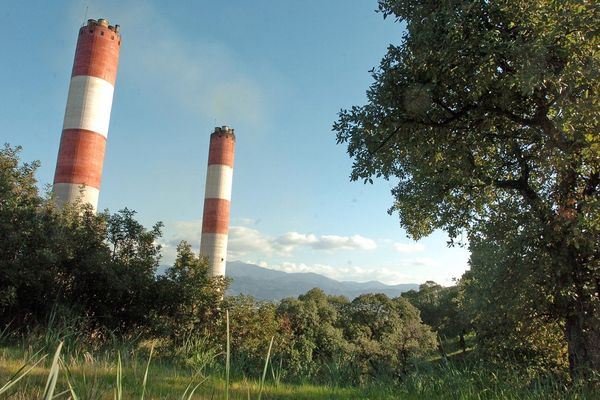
(487, 112)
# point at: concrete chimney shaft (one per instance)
(217, 199)
(83, 141)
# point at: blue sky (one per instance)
(276, 71)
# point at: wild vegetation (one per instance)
(95, 276)
(89, 282)
(486, 116)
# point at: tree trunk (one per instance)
(582, 332)
(580, 304)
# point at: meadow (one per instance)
(44, 367)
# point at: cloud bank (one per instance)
(390, 276)
(278, 252)
(245, 241)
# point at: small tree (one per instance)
(387, 335)
(194, 298)
(20, 245)
(441, 308)
(317, 341)
(252, 325)
(513, 321)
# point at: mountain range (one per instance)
(267, 284)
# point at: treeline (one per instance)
(100, 271)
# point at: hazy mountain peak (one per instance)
(267, 284)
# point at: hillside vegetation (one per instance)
(88, 281)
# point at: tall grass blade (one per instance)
(227, 356)
(264, 375)
(53, 375)
(59, 395)
(4, 333)
(146, 373)
(188, 396)
(119, 387)
(276, 374)
(186, 390)
(69, 384)
(16, 377)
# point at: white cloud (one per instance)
(292, 267)
(251, 245)
(410, 271)
(325, 242)
(409, 248)
(189, 231)
(388, 276)
(174, 233)
(251, 239)
(295, 238)
(244, 240)
(355, 242)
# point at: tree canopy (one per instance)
(487, 115)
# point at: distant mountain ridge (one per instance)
(267, 284)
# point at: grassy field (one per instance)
(81, 375)
(91, 378)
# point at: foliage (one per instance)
(191, 297)
(372, 337)
(316, 337)
(441, 308)
(100, 268)
(513, 322)
(487, 114)
(112, 271)
(22, 237)
(387, 335)
(252, 324)
(91, 278)
(195, 351)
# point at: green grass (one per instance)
(98, 380)
(110, 376)
(131, 374)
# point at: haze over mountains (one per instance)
(267, 284)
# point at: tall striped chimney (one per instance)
(217, 198)
(85, 128)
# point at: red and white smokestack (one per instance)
(217, 199)
(85, 128)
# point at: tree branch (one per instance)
(385, 141)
